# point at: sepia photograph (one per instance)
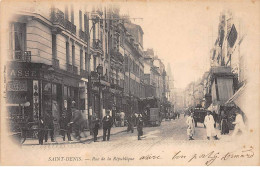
(130, 83)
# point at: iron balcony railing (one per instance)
(83, 35)
(97, 44)
(69, 26)
(57, 17)
(24, 56)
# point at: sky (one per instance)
(180, 33)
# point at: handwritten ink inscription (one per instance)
(179, 156)
(212, 156)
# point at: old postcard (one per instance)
(130, 83)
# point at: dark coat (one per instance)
(107, 122)
(140, 123)
(131, 120)
(64, 120)
(49, 120)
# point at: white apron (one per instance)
(209, 123)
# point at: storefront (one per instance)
(42, 88)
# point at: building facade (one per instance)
(87, 54)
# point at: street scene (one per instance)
(88, 76)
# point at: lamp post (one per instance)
(100, 73)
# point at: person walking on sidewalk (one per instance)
(64, 126)
(107, 124)
(41, 131)
(130, 123)
(95, 126)
(240, 125)
(224, 123)
(49, 126)
(140, 125)
(191, 126)
(209, 123)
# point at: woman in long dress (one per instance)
(191, 126)
(224, 123)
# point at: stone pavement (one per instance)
(89, 138)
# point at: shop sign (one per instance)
(23, 73)
(17, 86)
(35, 100)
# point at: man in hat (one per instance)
(95, 126)
(49, 125)
(107, 124)
(209, 123)
(130, 123)
(64, 126)
(41, 131)
(191, 126)
(140, 125)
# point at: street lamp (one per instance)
(100, 73)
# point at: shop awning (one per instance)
(236, 98)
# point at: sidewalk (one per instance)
(58, 139)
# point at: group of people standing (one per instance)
(210, 124)
(72, 121)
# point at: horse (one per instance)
(78, 123)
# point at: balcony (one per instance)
(69, 26)
(22, 56)
(97, 45)
(69, 68)
(75, 70)
(117, 56)
(56, 63)
(83, 35)
(57, 17)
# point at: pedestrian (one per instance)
(130, 123)
(41, 131)
(209, 123)
(95, 126)
(240, 125)
(107, 124)
(49, 126)
(122, 117)
(215, 117)
(140, 125)
(77, 121)
(64, 126)
(191, 126)
(224, 123)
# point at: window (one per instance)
(67, 53)
(82, 66)
(80, 19)
(18, 41)
(54, 46)
(86, 61)
(66, 13)
(86, 23)
(73, 55)
(72, 14)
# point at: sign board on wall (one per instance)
(17, 85)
